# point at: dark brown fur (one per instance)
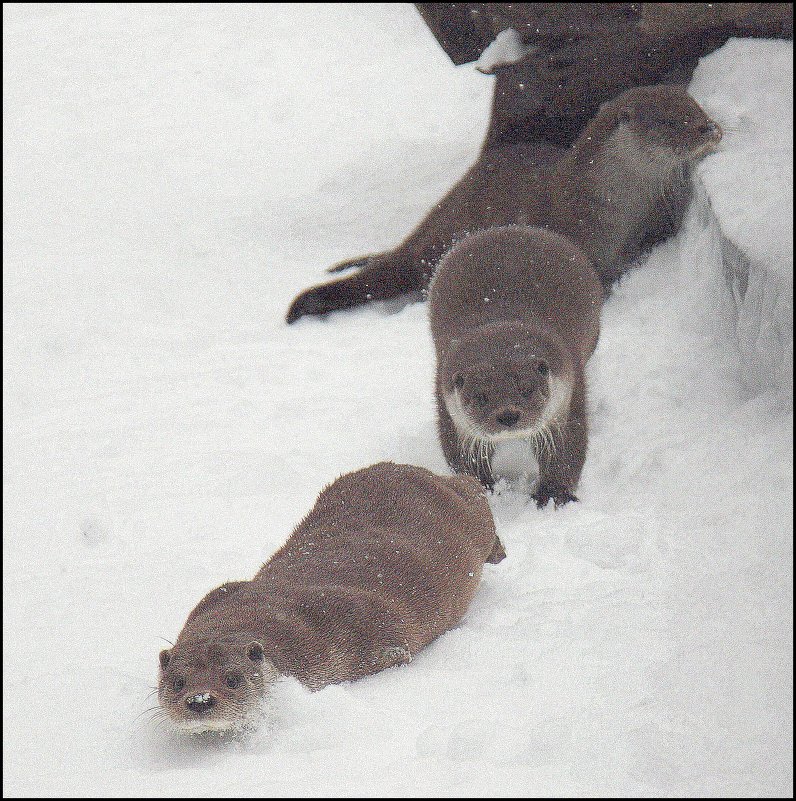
(388, 559)
(515, 315)
(587, 53)
(611, 193)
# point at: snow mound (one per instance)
(747, 190)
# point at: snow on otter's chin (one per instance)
(204, 726)
(515, 462)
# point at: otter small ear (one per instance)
(458, 380)
(165, 658)
(254, 651)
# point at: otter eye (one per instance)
(480, 399)
(177, 685)
(233, 680)
(526, 393)
(543, 368)
(458, 380)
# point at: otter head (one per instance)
(666, 122)
(214, 684)
(503, 384)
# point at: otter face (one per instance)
(667, 119)
(509, 399)
(214, 685)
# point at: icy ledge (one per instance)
(745, 195)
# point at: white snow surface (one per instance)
(748, 187)
(173, 175)
(751, 181)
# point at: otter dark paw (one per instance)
(498, 553)
(315, 302)
(547, 492)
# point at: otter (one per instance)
(620, 188)
(387, 560)
(515, 315)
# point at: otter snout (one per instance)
(712, 130)
(508, 417)
(201, 703)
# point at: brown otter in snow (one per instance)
(515, 315)
(622, 186)
(388, 559)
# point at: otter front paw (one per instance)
(547, 492)
(498, 553)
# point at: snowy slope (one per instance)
(173, 176)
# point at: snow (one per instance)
(506, 48)
(173, 176)
(748, 194)
(751, 182)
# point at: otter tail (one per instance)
(383, 277)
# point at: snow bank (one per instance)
(749, 192)
(173, 176)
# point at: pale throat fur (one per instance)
(541, 435)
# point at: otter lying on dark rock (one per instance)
(387, 560)
(621, 187)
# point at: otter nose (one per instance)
(200, 703)
(711, 129)
(507, 417)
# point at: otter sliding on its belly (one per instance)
(620, 188)
(387, 560)
(515, 315)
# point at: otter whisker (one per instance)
(153, 713)
(540, 444)
(467, 450)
